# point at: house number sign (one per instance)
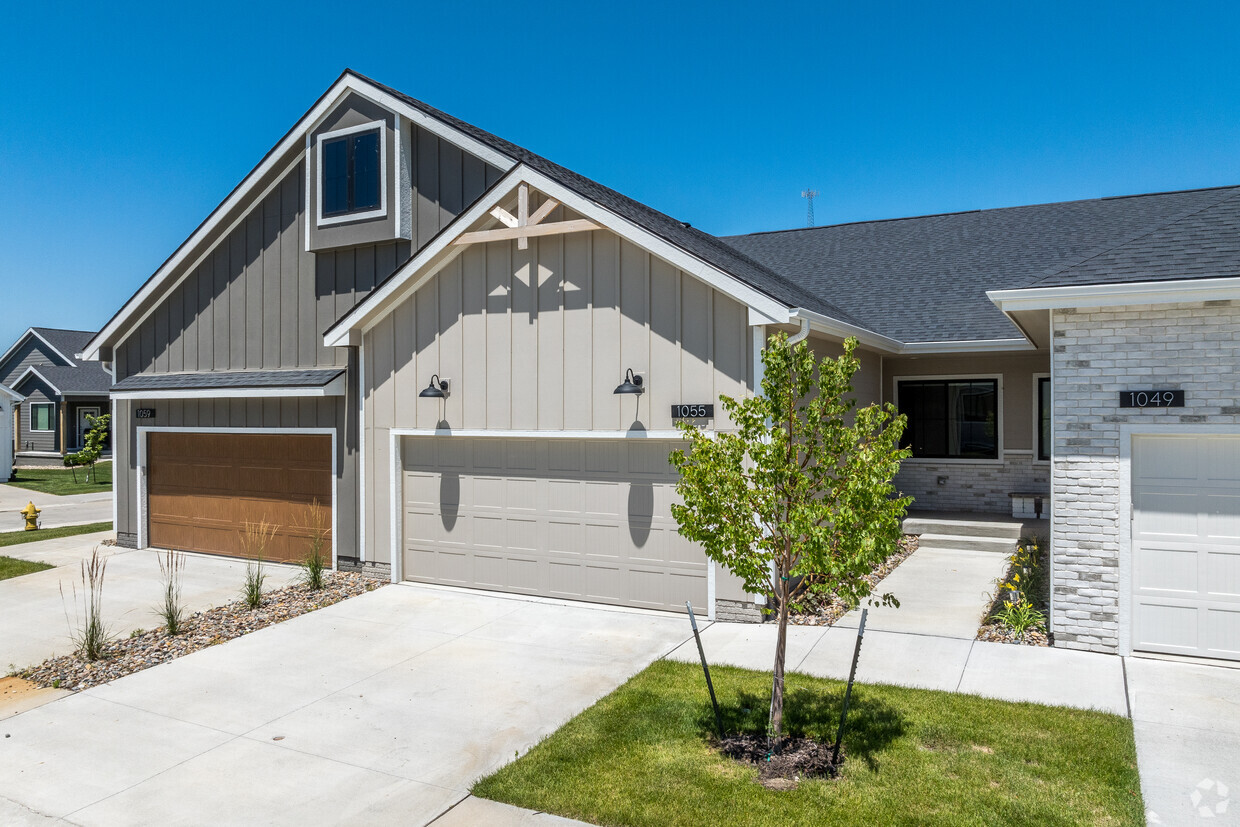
(693, 411)
(144, 413)
(1151, 399)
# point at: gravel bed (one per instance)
(824, 609)
(998, 633)
(145, 649)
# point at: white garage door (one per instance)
(1186, 545)
(579, 519)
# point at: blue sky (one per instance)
(125, 124)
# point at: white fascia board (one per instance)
(834, 327)
(336, 387)
(1111, 295)
(12, 394)
(35, 370)
(295, 139)
(442, 250)
(968, 346)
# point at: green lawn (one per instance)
(640, 757)
(60, 481)
(11, 567)
(14, 538)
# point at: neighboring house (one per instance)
(60, 391)
(9, 400)
(422, 327)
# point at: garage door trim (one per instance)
(1127, 434)
(140, 484)
(396, 487)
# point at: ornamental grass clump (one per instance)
(171, 609)
(89, 633)
(315, 563)
(254, 540)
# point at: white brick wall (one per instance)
(971, 486)
(1097, 354)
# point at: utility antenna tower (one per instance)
(809, 195)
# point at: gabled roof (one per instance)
(11, 394)
(925, 279)
(65, 344)
(86, 379)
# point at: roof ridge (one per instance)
(986, 210)
(1103, 249)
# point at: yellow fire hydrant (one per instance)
(32, 516)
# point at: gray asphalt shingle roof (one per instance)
(87, 379)
(207, 380)
(68, 342)
(925, 279)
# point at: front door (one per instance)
(83, 424)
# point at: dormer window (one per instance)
(351, 173)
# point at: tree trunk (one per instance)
(777, 685)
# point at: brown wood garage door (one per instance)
(203, 488)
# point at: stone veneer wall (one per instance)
(1096, 354)
(980, 487)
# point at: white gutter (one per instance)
(886, 344)
(1109, 295)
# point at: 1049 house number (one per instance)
(1151, 399)
(693, 411)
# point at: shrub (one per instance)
(89, 633)
(171, 610)
(315, 561)
(254, 539)
(1022, 591)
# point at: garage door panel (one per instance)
(1223, 574)
(1223, 632)
(1186, 545)
(576, 519)
(202, 488)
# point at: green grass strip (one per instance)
(15, 538)
(641, 756)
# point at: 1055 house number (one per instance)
(1151, 399)
(693, 411)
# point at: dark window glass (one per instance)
(336, 176)
(953, 419)
(366, 172)
(41, 417)
(351, 175)
(1044, 419)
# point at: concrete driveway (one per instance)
(382, 709)
(1186, 719)
(35, 609)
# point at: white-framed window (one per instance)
(352, 169)
(950, 418)
(42, 417)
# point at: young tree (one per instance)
(89, 455)
(799, 499)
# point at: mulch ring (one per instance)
(143, 650)
(824, 609)
(998, 633)
(797, 758)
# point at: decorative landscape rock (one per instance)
(825, 609)
(144, 649)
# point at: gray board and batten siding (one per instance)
(254, 298)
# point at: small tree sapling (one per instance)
(799, 498)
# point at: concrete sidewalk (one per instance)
(996, 670)
(74, 509)
(35, 609)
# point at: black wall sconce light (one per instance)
(437, 389)
(632, 384)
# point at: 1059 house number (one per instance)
(693, 411)
(1151, 399)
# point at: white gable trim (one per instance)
(424, 266)
(32, 332)
(12, 394)
(292, 141)
(1109, 295)
(35, 370)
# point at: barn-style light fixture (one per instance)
(437, 389)
(632, 384)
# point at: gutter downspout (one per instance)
(801, 334)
